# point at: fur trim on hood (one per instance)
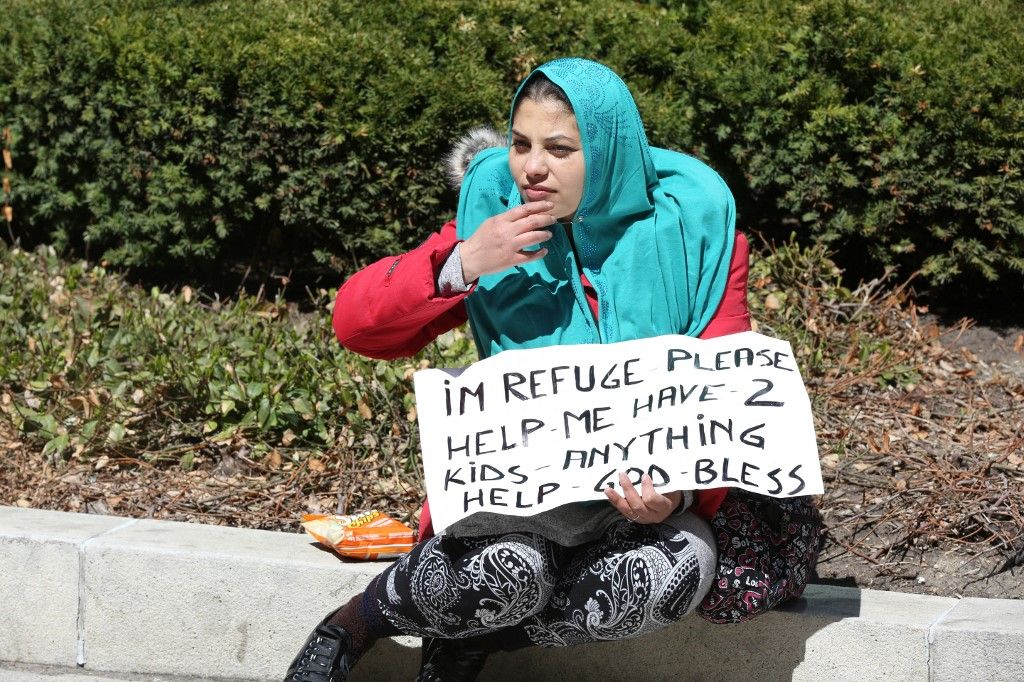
(468, 146)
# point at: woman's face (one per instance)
(546, 158)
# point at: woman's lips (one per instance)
(537, 192)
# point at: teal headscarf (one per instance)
(654, 232)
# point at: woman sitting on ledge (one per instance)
(577, 232)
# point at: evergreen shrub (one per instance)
(153, 133)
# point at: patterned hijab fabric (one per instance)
(653, 233)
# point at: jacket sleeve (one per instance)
(732, 315)
(391, 308)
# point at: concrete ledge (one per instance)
(143, 599)
(980, 634)
(17, 672)
(40, 565)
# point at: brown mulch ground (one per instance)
(930, 497)
(224, 487)
(924, 483)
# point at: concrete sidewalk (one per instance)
(88, 598)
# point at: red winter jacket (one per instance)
(390, 309)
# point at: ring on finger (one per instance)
(633, 519)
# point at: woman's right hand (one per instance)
(499, 242)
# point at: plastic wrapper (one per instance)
(373, 535)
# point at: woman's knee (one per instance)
(455, 587)
(512, 578)
(642, 584)
(663, 586)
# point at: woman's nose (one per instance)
(536, 164)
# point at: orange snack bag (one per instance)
(373, 535)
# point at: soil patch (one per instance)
(989, 359)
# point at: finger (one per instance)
(532, 222)
(530, 208)
(652, 498)
(629, 492)
(615, 498)
(647, 491)
(531, 238)
(619, 503)
(529, 256)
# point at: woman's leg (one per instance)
(445, 587)
(636, 579)
(459, 587)
(474, 585)
(338, 641)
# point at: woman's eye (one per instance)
(561, 151)
(521, 145)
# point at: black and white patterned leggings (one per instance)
(519, 589)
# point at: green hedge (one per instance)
(889, 130)
(168, 134)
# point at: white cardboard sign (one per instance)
(529, 430)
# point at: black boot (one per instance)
(450, 660)
(327, 656)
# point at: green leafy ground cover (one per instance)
(170, 404)
(91, 365)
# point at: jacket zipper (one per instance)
(391, 270)
(577, 288)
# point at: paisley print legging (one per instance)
(520, 589)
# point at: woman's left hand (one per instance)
(648, 506)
